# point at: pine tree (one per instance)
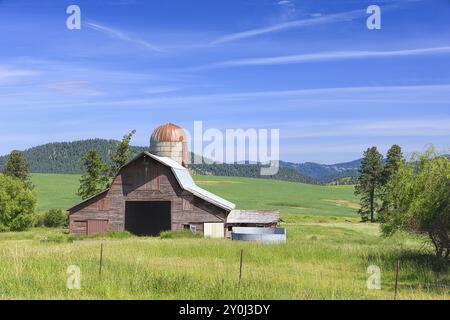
(17, 167)
(122, 154)
(370, 182)
(393, 161)
(95, 178)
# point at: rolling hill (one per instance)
(65, 158)
(59, 191)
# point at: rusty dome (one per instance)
(168, 132)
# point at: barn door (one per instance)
(97, 226)
(79, 228)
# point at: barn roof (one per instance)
(186, 182)
(249, 216)
(184, 179)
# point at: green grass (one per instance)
(325, 260)
(326, 256)
(289, 197)
(59, 191)
(56, 191)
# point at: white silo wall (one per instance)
(173, 150)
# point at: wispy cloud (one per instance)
(430, 127)
(325, 56)
(74, 88)
(323, 19)
(284, 99)
(123, 36)
(157, 90)
(10, 73)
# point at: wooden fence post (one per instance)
(240, 267)
(397, 270)
(101, 260)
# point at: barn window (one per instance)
(186, 205)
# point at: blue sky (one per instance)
(310, 68)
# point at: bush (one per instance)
(17, 205)
(418, 200)
(179, 234)
(56, 218)
(39, 219)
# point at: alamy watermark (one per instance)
(73, 22)
(374, 279)
(73, 277)
(249, 146)
(374, 20)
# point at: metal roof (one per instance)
(250, 216)
(185, 180)
(169, 132)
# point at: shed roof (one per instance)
(185, 181)
(250, 216)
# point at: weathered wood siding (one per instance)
(145, 179)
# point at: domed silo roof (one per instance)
(171, 141)
(168, 132)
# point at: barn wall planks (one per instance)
(145, 179)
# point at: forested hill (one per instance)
(249, 171)
(337, 173)
(65, 157)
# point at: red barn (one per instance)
(151, 194)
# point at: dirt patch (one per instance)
(344, 203)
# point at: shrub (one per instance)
(39, 219)
(418, 200)
(179, 234)
(56, 218)
(17, 205)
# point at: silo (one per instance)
(170, 140)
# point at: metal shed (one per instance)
(252, 218)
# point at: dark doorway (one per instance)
(147, 218)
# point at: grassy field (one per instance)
(59, 191)
(326, 256)
(321, 260)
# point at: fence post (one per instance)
(101, 260)
(240, 267)
(397, 270)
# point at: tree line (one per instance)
(18, 199)
(412, 196)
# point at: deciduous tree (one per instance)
(418, 197)
(17, 167)
(17, 204)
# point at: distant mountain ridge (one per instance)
(326, 173)
(65, 157)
